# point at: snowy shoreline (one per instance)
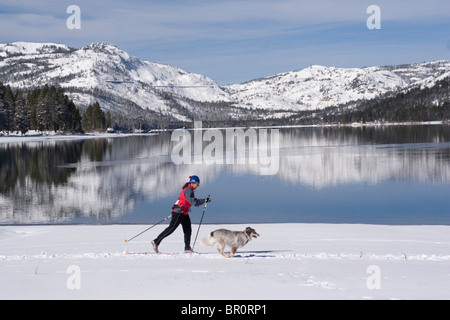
(51, 136)
(288, 262)
(34, 136)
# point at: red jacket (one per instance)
(186, 200)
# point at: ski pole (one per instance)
(204, 210)
(126, 241)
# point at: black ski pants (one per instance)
(177, 219)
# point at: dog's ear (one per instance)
(248, 230)
(212, 234)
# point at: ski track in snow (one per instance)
(240, 255)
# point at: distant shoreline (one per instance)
(43, 137)
(36, 136)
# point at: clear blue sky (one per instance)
(233, 41)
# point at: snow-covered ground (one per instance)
(288, 261)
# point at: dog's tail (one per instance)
(207, 241)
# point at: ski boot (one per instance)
(155, 246)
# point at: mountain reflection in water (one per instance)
(326, 174)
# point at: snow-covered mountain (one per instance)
(120, 82)
(318, 87)
(104, 72)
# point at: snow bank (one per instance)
(288, 261)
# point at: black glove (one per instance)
(208, 199)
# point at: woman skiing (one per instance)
(180, 214)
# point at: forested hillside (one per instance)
(47, 109)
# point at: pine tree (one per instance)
(2, 108)
(32, 103)
(20, 115)
(108, 122)
(94, 118)
(75, 124)
(43, 113)
(87, 122)
(54, 109)
(63, 115)
(9, 107)
(99, 117)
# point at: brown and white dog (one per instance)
(235, 239)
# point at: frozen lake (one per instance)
(369, 175)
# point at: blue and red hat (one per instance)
(194, 179)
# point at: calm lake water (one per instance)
(376, 175)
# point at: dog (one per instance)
(235, 239)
